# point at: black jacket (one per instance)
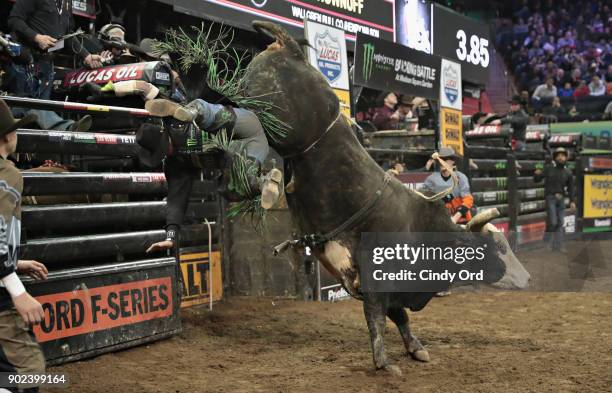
(180, 173)
(518, 120)
(31, 17)
(556, 180)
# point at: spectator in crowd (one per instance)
(558, 184)
(566, 90)
(518, 120)
(582, 90)
(21, 353)
(39, 24)
(545, 90)
(555, 111)
(386, 117)
(596, 87)
(404, 109)
(609, 74)
(608, 111)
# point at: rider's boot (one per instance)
(165, 108)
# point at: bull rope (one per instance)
(313, 144)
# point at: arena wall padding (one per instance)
(45, 183)
(62, 251)
(82, 143)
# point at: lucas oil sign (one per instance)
(328, 55)
(91, 309)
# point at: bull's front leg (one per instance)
(374, 308)
(399, 316)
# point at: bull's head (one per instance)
(303, 99)
(503, 270)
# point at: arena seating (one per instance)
(567, 41)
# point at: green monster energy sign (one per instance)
(368, 58)
(386, 66)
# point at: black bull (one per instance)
(333, 177)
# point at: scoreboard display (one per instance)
(437, 30)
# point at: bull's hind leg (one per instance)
(413, 346)
(374, 312)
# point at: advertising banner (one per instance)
(451, 128)
(450, 85)
(197, 286)
(155, 72)
(328, 55)
(386, 66)
(596, 135)
(92, 310)
(451, 123)
(597, 196)
(371, 17)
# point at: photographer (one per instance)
(39, 26)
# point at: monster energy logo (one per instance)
(368, 60)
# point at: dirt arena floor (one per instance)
(481, 341)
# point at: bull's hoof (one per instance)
(392, 369)
(422, 355)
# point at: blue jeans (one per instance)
(35, 81)
(248, 134)
(555, 208)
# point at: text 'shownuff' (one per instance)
(368, 60)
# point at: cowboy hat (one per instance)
(560, 150)
(150, 47)
(153, 142)
(447, 152)
(8, 123)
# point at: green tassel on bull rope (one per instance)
(211, 50)
(239, 180)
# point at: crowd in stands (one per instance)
(558, 49)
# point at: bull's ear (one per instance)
(481, 219)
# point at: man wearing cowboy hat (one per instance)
(518, 119)
(19, 352)
(558, 184)
(460, 201)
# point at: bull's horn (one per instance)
(480, 219)
(279, 34)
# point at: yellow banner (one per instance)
(597, 196)
(196, 278)
(451, 129)
(345, 101)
